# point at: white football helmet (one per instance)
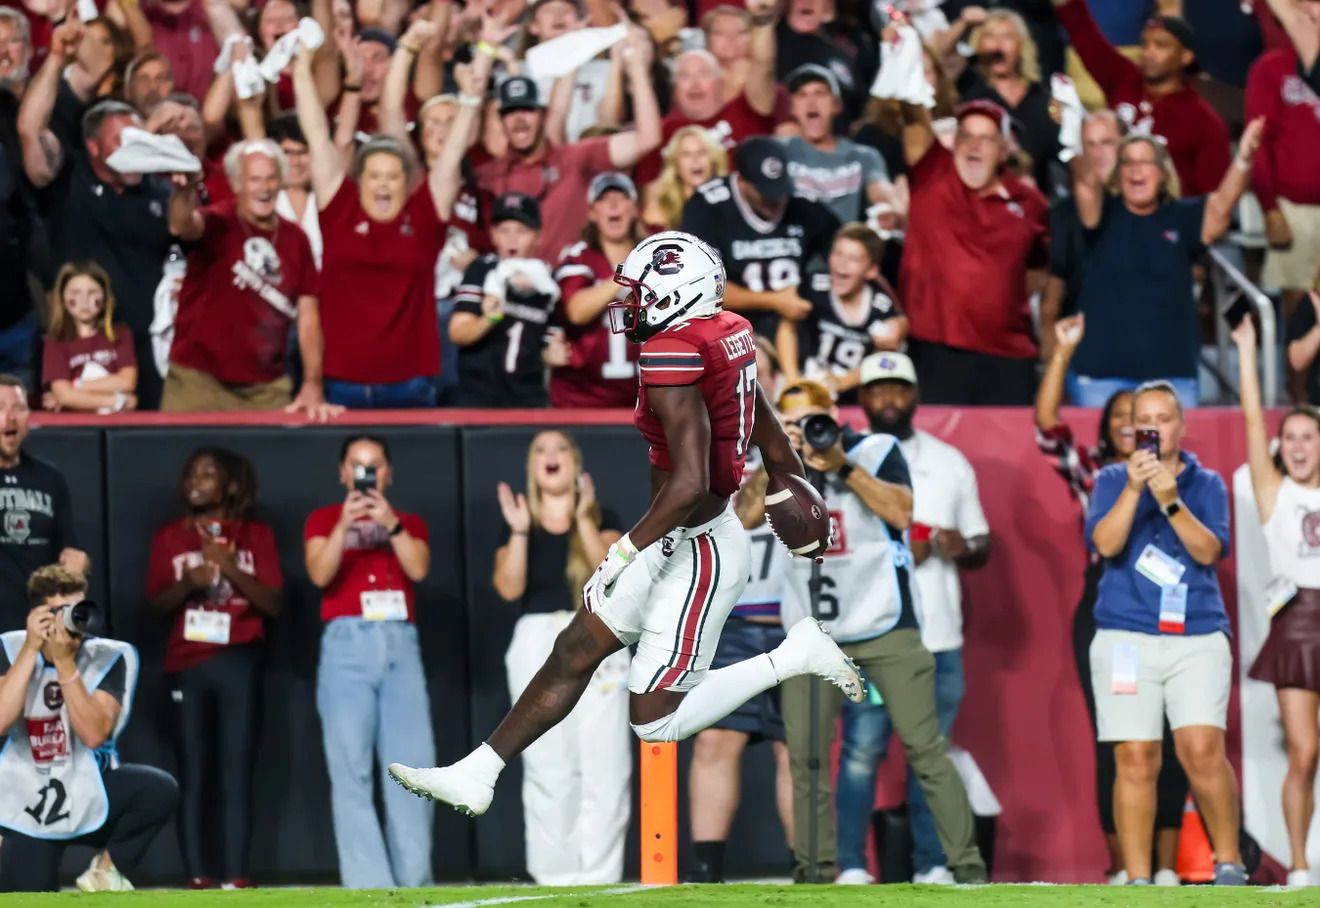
(671, 277)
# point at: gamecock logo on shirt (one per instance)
(261, 257)
(666, 259)
(18, 525)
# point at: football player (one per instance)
(854, 312)
(602, 366)
(765, 236)
(669, 583)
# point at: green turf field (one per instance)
(736, 896)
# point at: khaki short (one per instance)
(1294, 268)
(1186, 677)
(194, 391)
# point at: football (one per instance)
(797, 515)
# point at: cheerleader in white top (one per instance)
(1287, 492)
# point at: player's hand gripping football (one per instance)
(601, 584)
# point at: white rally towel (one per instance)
(145, 152)
(248, 80)
(1071, 114)
(563, 55)
(87, 10)
(536, 271)
(308, 34)
(902, 75)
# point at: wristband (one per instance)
(844, 471)
(76, 675)
(469, 101)
(121, 399)
(495, 318)
(626, 549)
(351, 88)
(410, 48)
(485, 47)
(398, 528)
(1240, 162)
(920, 532)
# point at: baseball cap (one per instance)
(811, 72)
(611, 179)
(518, 93)
(516, 206)
(380, 36)
(761, 163)
(888, 367)
(986, 109)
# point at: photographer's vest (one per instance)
(50, 782)
(868, 569)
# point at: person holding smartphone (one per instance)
(1160, 523)
(214, 575)
(366, 558)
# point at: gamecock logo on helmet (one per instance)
(666, 259)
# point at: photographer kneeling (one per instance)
(866, 601)
(64, 699)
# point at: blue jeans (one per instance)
(415, 392)
(866, 731)
(17, 343)
(447, 381)
(371, 694)
(1087, 391)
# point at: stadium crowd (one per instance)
(212, 205)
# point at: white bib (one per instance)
(50, 782)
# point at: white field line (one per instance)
(511, 899)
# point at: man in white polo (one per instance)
(949, 531)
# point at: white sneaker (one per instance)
(808, 650)
(1299, 879)
(94, 879)
(1166, 877)
(935, 876)
(854, 876)
(1117, 879)
(452, 785)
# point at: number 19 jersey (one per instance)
(718, 355)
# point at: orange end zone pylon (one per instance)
(659, 771)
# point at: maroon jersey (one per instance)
(602, 365)
(718, 355)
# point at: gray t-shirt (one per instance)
(837, 179)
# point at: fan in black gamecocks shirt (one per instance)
(36, 516)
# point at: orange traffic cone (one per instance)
(1196, 859)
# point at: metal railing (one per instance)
(1230, 286)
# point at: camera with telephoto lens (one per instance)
(82, 618)
(819, 431)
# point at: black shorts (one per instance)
(759, 717)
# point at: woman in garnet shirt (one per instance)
(215, 573)
(381, 230)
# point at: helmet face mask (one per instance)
(669, 277)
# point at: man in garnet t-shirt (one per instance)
(558, 176)
(699, 100)
(250, 274)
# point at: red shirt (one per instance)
(186, 40)
(175, 548)
(1195, 135)
(963, 278)
(239, 295)
(719, 356)
(736, 121)
(559, 181)
(378, 290)
(1291, 110)
(66, 360)
(602, 365)
(368, 562)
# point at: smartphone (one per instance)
(364, 478)
(1149, 440)
(1238, 310)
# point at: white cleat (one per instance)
(450, 785)
(854, 876)
(94, 879)
(808, 647)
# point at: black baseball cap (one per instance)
(808, 73)
(611, 180)
(516, 206)
(518, 93)
(761, 163)
(380, 36)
